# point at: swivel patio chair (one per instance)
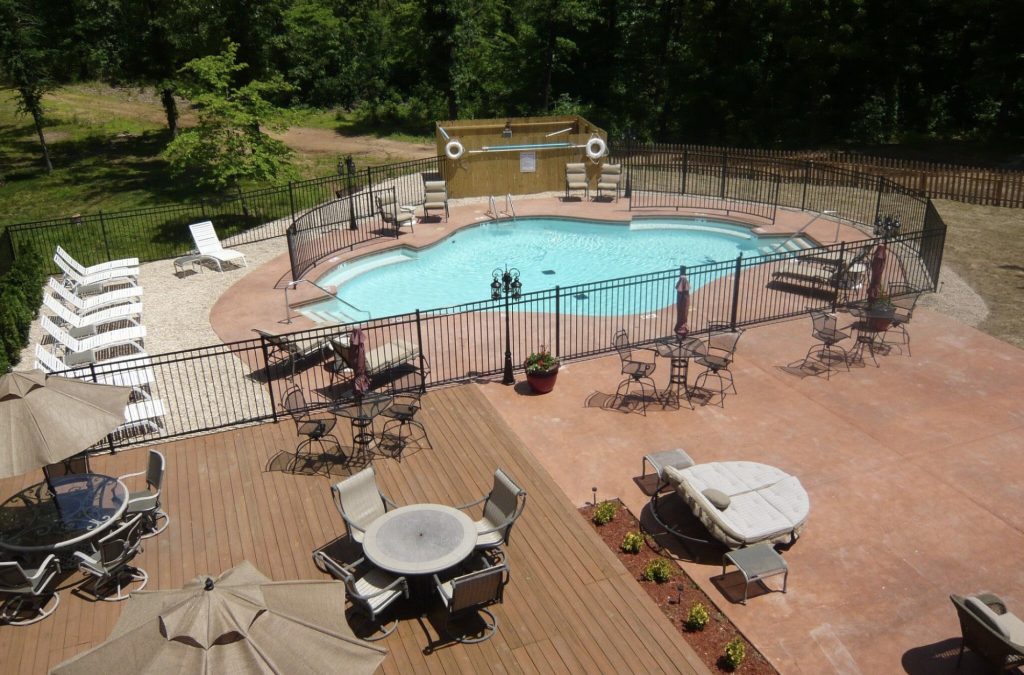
(474, 592)
(30, 590)
(316, 427)
(610, 180)
(823, 329)
(402, 423)
(110, 563)
(990, 630)
(502, 507)
(576, 179)
(716, 354)
(435, 196)
(147, 502)
(394, 215)
(905, 298)
(637, 371)
(360, 502)
(370, 590)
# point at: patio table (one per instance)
(361, 413)
(755, 563)
(78, 508)
(679, 351)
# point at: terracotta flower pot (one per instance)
(542, 383)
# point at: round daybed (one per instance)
(742, 503)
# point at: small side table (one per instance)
(658, 461)
(755, 563)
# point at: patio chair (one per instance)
(29, 591)
(905, 299)
(72, 466)
(823, 329)
(360, 502)
(716, 354)
(502, 507)
(576, 179)
(122, 263)
(286, 351)
(379, 360)
(636, 371)
(147, 502)
(83, 325)
(402, 422)
(435, 196)
(370, 590)
(124, 371)
(474, 592)
(119, 337)
(990, 630)
(85, 304)
(610, 180)
(109, 564)
(393, 214)
(95, 281)
(315, 427)
(209, 247)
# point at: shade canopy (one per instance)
(47, 418)
(241, 622)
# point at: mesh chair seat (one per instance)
(502, 506)
(360, 502)
(717, 354)
(371, 590)
(29, 590)
(474, 592)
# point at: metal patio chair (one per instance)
(716, 354)
(30, 590)
(502, 507)
(636, 371)
(147, 502)
(110, 563)
(370, 590)
(474, 592)
(823, 329)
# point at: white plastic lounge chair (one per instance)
(91, 303)
(99, 267)
(743, 503)
(89, 324)
(209, 246)
(97, 280)
(111, 371)
(132, 336)
(143, 417)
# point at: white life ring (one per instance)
(454, 149)
(596, 148)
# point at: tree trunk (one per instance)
(171, 109)
(37, 119)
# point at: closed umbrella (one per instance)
(47, 418)
(241, 622)
(361, 383)
(877, 268)
(682, 303)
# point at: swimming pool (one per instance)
(548, 252)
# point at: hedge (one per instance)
(21, 294)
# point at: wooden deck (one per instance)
(570, 606)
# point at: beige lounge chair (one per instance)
(435, 197)
(576, 179)
(380, 359)
(209, 247)
(610, 180)
(393, 214)
(287, 351)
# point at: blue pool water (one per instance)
(548, 252)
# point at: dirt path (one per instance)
(325, 141)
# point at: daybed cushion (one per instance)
(718, 499)
(765, 503)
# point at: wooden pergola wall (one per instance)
(498, 173)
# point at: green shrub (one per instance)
(658, 570)
(605, 512)
(21, 293)
(735, 653)
(698, 618)
(632, 542)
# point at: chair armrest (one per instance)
(440, 588)
(994, 602)
(473, 503)
(398, 582)
(131, 475)
(351, 525)
(388, 503)
(88, 564)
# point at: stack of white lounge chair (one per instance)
(93, 318)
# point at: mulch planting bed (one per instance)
(676, 596)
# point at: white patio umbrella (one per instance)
(241, 622)
(46, 418)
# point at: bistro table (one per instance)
(419, 540)
(62, 514)
(361, 411)
(679, 351)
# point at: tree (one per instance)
(26, 62)
(229, 145)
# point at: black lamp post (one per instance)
(505, 284)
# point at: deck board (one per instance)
(570, 606)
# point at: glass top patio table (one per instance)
(79, 507)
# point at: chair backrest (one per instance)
(822, 321)
(726, 342)
(118, 547)
(621, 343)
(155, 468)
(69, 467)
(294, 401)
(47, 361)
(435, 192)
(12, 576)
(505, 503)
(358, 499)
(205, 237)
(575, 172)
(387, 202)
(611, 173)
(478, 588)
(342, 350)
(72, 263)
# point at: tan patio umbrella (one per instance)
(241, 622)
(46, 418)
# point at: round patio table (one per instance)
(68, 511)
(419, 539)
(679, 351)
(361, 412)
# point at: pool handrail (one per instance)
(327, 292)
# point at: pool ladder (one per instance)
(510, 209)
(327, 292)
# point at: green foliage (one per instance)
(229, 145)
(632, 542)
(658, 570)
(735, 653)
(605, 512)
(541, 362)
(20, 296)
(698, 617)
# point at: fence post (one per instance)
(352, 225)
(270, 380)
(721, 187)
(103, 231)
(844, 279)
(291, 201)
(736, 291)
(878, 202)
(807, 179)
(202, 207)
(423, 359)
(686, 166)
(558, 321)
